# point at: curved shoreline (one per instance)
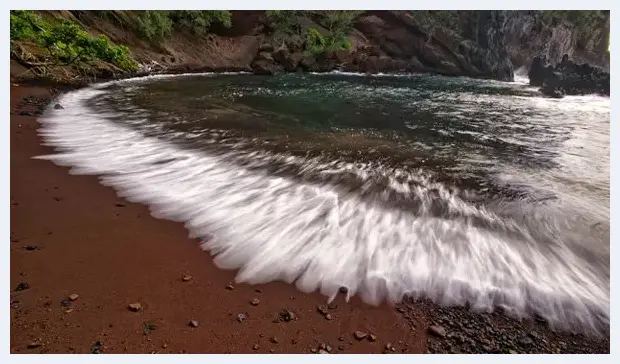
(279, 290)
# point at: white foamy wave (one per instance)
(319, 238)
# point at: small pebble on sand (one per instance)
(186, 278)
(135, 307)
(359, 335)
(73, 297)
(22, 286)
(194, 323)
(255, 302)
(437, 330)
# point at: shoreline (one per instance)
(112, 253)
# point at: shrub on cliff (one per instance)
(294, 27)
(316, 43)
(157, 25)
(199, 21)
(67, 43)
(153, 25)
(25, 25)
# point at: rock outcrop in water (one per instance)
(567, 78)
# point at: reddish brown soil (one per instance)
(112, 255)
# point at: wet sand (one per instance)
(112, 253)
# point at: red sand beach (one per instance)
(111, 253)
(80, 256)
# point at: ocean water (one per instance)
(467, 192)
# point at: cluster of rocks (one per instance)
(567, 78)
(364, 59)
(457, 330)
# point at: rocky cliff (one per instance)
(488, 44)
(583, 36)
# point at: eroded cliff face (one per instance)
(528, 35)
(487, 44)
(467, 44)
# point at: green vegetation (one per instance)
(67, 43)
(287, 28)
(153, 25)
(157, 25)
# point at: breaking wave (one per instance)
(301, 227)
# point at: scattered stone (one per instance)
(255, 347)
(328, 317)
(340, 338)
(272, 350)
(22, 286)
(148, 327)
(360, 335)
(389, 346)
(135, 307)
(328, 348)
(97, 348)
(58, 107)
(230, 287)
(255, 302)
(286, 315)
(313, 350)
(186, 278)
(526, 341)
(274, 340)
(321, 351)
(118, 204)
(437, 330)
(66, 303)
(341, 347)
(258, 291)
(512, 352)
(293, 341)
(31, 247)
(372, 337)
(241, 317)
(163, 346)
(261, 335)
(34, 345)
(69, 310)
(194, 323)
(73, 297)
(322, 309)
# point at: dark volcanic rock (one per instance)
(465, 331)
(568, 78)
